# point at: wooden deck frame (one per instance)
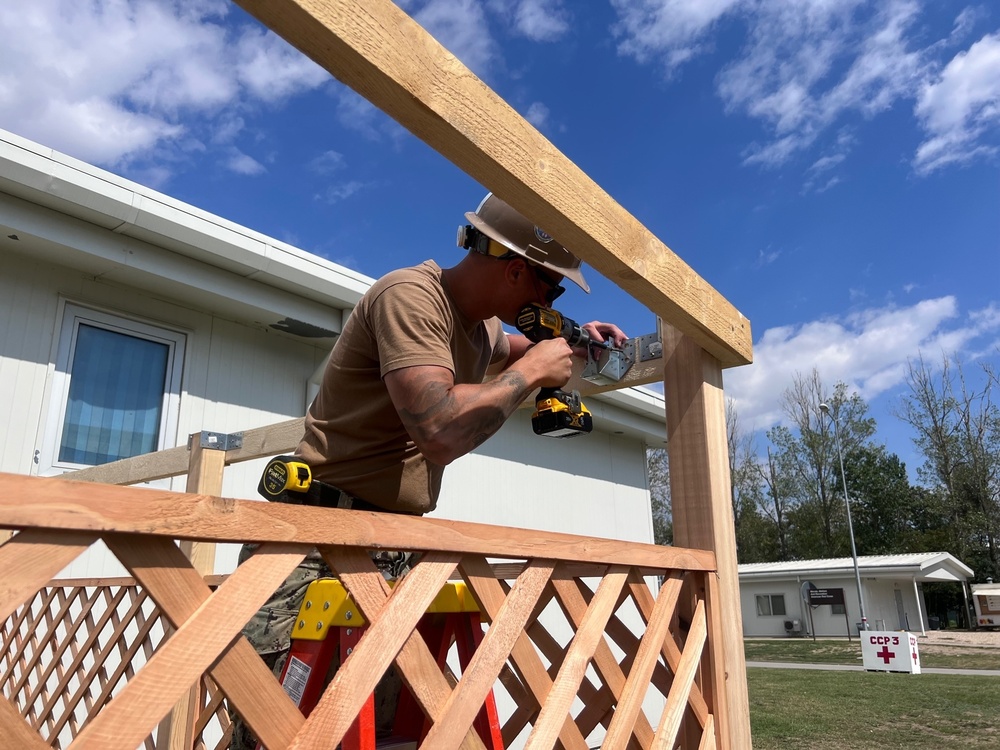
(56, 520)
(376, 49)
(381, 53)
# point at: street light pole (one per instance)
(850, 526)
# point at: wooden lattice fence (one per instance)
(622, 642)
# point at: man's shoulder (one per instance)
(427, 274)
(406, 292)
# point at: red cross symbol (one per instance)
(885, 654)
(914, 655)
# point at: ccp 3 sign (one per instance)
(878, 640)
(890, 651)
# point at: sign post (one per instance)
(890, 651)
(830, 596)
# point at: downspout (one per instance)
(802, 613)
(969, 619)
(920, 613)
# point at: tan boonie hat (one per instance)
(503, 224)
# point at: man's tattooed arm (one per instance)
(445, 420)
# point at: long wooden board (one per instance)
(81, 506)
(383, 54)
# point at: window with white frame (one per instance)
(116, 390)
(770, 605)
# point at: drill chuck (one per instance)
(538, 323)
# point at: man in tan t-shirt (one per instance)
(406, 392)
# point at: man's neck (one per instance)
(467, 285)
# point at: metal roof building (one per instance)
(772, 595)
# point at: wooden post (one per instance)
(703, 516)
(205, 469)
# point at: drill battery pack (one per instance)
(561, 415)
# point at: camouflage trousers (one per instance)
(269, 632)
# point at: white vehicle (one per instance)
(986, 600)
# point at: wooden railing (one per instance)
(636, 639)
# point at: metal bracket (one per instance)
(612, 365)
(218, 441)
(650, 347)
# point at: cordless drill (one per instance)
(557, 413)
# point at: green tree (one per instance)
(958, 434)
(754, 541)
(881, 499)
(806, 461)
(658, 478)
(778, 497)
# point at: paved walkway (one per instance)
(859, 668)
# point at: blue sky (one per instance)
(831, 167)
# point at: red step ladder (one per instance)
(329, 622)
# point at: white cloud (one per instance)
(673, 31)
(340, 191)
(227, 128)
(110, 81)
(243, 164)
(270, 69)
(327, 162)
(868, 350)
(356, 113)
(766, 258)
(960, 106)
(541, 20)
(537, 115)
(807, 66)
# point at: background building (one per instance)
(773, 602)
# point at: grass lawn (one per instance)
(819, 710)
(844, 652)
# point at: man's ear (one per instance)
(514, 269)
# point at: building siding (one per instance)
(880, 606)
(592, 485)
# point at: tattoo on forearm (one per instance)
(515, 382)
(434, 402)
(437, 405)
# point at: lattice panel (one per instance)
(65, 653)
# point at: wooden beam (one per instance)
(703, 514)
(55, 504)
(270, 440)
(383, 54)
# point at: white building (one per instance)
(774, 603)
(131, 320)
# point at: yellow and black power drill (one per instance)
(557, 413)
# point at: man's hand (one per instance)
(548, 364)
(606, 331)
